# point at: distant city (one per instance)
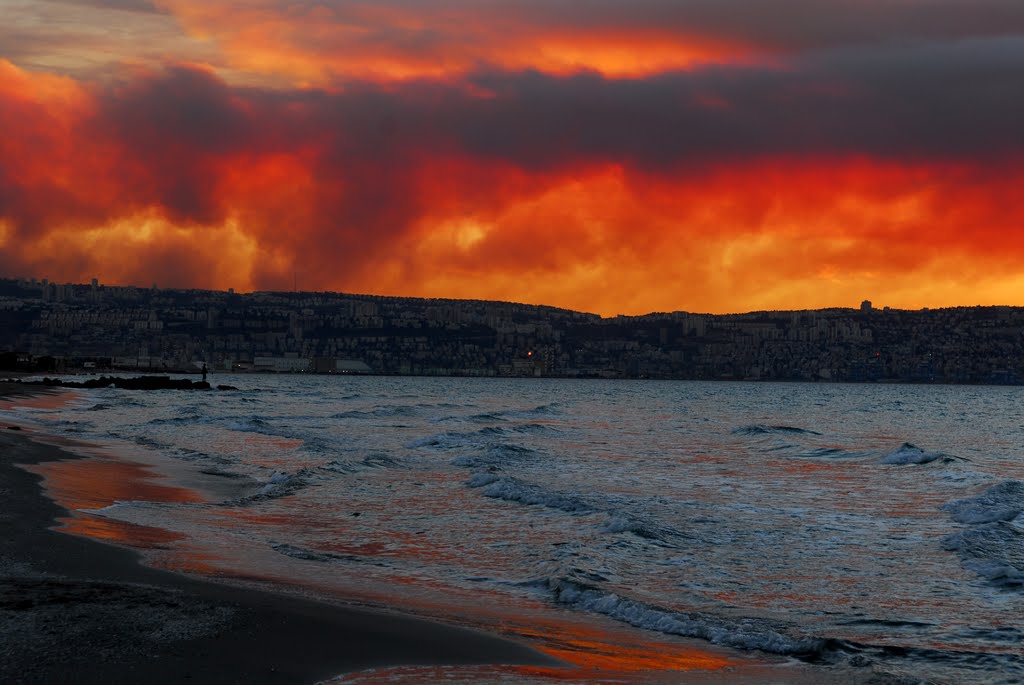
(63, 328)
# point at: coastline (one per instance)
(81, 606)
(76, 610)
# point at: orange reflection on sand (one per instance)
(120, 532)
(37, 398)
(95, 483)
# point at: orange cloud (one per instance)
(429, 191)
(771, 235)
(324, 45)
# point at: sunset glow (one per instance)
(618, 158)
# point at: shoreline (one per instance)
(81, 601)
(76, 610)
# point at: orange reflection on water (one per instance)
(590, 655)
(590, 650)
(195, 560)
(811, 467)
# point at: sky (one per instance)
(609, 156)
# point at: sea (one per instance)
(636, 529)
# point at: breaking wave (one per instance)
(280, 484)
(478, 438)
(371, 461)
(739, 633)
(510, 489)
(496, 456)
(309, 555)
(992, 544)
(252, 424)
(514, 490)
(912, 454)
(376, 413)
(761, 429)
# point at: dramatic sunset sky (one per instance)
(612, 156)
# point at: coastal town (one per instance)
(50, 327)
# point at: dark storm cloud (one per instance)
(186, 106)
(791, 24)
(776, 24)
(174, 131)
(936, 102)
(958, 101)
(129, 5)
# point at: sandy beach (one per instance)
(73, 610)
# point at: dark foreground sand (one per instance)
(73, 610)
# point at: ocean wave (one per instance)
(888, 664)
(496, 456)
(739, 633)
(376, 413)
(500, 416)
(115, 402)
(515, 490)
(224, 473)
(311, 438)
(309, 555)
(479, 480)
(762, 429)
(485, 417)
(618, 523)
(907, 454)
(72, 426)
(280, 484)
(479, 438)
(494, 484)
(181, 421)
(540, 411)
(446, 440)
(786, 449)
(992, 544)
(150, 443)
(372, 461)
(828, 453)
(189, 454)
(252, 424)
(1002, 502)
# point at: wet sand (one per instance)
(73, 610)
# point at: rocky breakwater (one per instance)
(137, 383)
